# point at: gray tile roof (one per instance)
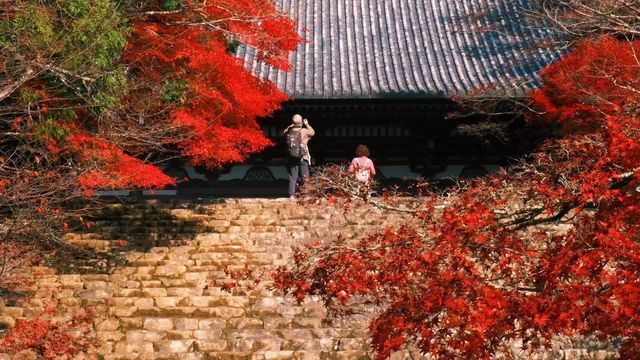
(409, 48)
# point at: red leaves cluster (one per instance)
(108, 167)
(549, 247)
(245, 278)
(594, 91)
(50, 339)
(260, 25)
(216, 116)
(15, 260)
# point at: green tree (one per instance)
(71, 48)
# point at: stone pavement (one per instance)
(163, 303)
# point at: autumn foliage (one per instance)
(214, 101)
(14, 260)
(549, 247)
(95, 94)
(50, 338)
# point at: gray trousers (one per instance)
(298, 171)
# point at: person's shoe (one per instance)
(292, 197)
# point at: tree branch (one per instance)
(7, 90)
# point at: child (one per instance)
(361, 166)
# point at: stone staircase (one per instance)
(167, 301)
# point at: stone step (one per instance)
(251, 355)
(168, 301)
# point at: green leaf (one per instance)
(232, 46)
(174, 91)
(171, 5)
(51, 129)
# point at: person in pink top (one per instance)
(361, 166)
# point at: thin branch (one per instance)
(28, 75)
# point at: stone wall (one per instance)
(162, 304)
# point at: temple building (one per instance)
(383, 73)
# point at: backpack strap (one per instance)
(365, 163)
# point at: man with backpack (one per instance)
(298, 156)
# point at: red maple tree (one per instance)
(160, 80)
(548, 247)
(213, 99)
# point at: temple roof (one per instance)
(409, 49)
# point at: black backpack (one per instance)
(295, 147)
